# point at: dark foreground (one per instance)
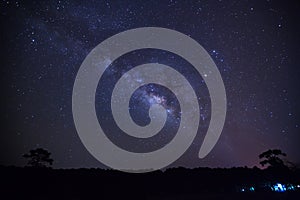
(183, 184)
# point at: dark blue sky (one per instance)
(255, 45)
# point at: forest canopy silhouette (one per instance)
(205, 183)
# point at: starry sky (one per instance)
(255, 45)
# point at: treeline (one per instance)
(47, 183)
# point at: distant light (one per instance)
(279, 187)
(243, 190)
(251, 189)
(290, 187)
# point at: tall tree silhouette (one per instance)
(271, 158)
(39, 158)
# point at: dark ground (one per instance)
(175, 184)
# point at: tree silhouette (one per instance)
(271, 157)
(39, 158)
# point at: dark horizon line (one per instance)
(161, 170)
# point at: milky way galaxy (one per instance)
(254, 44)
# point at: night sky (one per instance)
(255, 45)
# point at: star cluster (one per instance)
(255, 45)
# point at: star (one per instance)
(253, 44)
